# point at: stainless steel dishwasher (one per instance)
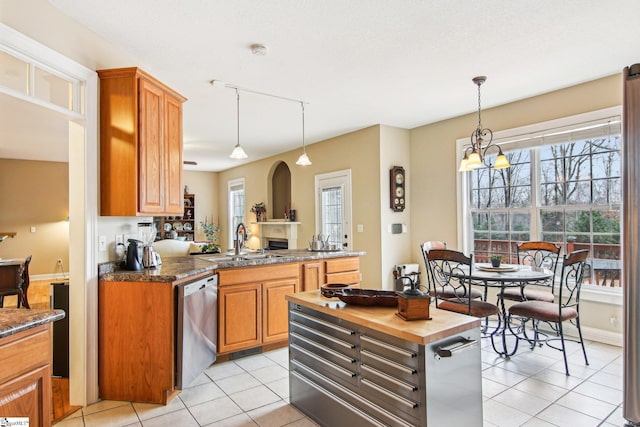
(196, 329)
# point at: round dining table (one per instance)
(507, 275)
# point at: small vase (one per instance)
(495, 262)
(258, 217)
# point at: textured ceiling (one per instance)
(356, 63)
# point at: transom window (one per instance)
(563, 186)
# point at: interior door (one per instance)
(333, 207)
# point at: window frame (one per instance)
(524, 137)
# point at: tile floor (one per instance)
(530, 389)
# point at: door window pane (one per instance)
(332, 214)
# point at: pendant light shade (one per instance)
(238, 152)
(303, 160)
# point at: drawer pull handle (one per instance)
(408, 403)
(450, 349)
(389, 347)
(324, 323)
(389, 378)
(322, 347)
(323, 335)
(388, 362)
(323, 362)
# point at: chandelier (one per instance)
(475, 155)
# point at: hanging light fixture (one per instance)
(303, 160)
(475, 155)
(238, 151)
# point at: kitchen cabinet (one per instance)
(140, 145)
(25, 379)
(342, 270)
(311, 275)
(252, 310)
(136, 339)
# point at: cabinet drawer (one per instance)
(350, 278)
(24, 352)
(257, 274)
(339, 265)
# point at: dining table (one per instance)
(10, 277)
(500, 278)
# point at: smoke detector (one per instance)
(259, 49)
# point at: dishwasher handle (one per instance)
(198, 285)
(450, 349)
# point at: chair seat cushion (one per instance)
(449, 292)
(478, 308)
(530, 293)
(542, 310)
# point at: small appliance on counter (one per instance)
(133, 260)
(147, 233)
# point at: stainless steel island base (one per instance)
(350, 373)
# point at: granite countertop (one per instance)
(442, 324)
(176, 268)
(14, 320)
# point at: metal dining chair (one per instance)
(537, 255)
(446, 292)
(449, 275)
(566, 307)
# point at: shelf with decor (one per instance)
(184, 225)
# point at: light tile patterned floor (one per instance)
(530, 389)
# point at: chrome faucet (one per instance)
(238, 245)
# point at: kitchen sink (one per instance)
(242, 257)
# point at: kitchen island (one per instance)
(138, 312)
(356, 365)
(25, 352)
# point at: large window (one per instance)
(563, 186)
(236, 206)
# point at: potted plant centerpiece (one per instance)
(496, 260)
(210, 230)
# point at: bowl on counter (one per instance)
(330, 289)
(368, 297)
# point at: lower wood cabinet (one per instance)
(252, 310)
(25, 377)
(342, 270)
(311, 275)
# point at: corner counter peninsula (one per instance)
(356, 365)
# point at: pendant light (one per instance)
(238, 152)
(303, 160)
(475, 155)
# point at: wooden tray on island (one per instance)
(367, 297)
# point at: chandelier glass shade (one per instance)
(475, 155)
(303, 160)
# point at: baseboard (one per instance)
(54, 277)
(589, 334)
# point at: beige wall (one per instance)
(35, 194)
(394, 248)
(205, 187)
(360, 152)
(434, 165)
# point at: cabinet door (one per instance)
(28, 395)
(275, 321)
(239, 317)
(150, 146)
(173, 155)
(312, 275)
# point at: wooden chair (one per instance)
(20, 288)
(449, 275)
(566, 308)
(538, 255)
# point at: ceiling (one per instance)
(355, 63)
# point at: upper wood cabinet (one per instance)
(140, 145)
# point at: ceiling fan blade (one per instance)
(190, 162)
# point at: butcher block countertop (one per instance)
(443, 323)
(14, 320)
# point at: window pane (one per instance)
(54, 89)
(552, 194)
(332, 213)
(578, 193)
(606, 165)
(14, 73)
(552, 221)
(607, 191)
